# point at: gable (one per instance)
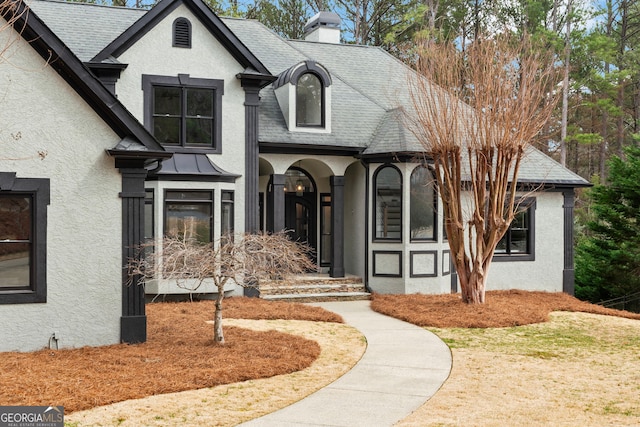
(58, 57)
(210, 21)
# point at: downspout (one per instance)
(366, 227)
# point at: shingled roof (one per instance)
(368, 86)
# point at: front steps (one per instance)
(315, 288)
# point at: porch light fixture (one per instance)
(299, 188)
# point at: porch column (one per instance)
(337, 226)
(275, 203)
(252, 207)
(568, 273)
(133, 322)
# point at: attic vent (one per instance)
(181, 33)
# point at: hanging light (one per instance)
(299, 188)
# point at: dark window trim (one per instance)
(323, 203)
(39, 190)
(375, 201)
(182, 40)
(376, 274)
(528, 203)
(185, 81)
(201, 201)
(446, 266)
(323, 102)
(151, 201)
(435, 208)
(231, 202)
(435, 263)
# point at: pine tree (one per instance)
(608, 256)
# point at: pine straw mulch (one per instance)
(178, 355)
(501, 309)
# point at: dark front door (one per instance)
(300, 218)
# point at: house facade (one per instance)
(174, 120)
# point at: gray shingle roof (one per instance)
(368, 84)
(85, 28)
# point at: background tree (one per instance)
(245, 260)
(608, 256)
(475, 112)
(11, 11)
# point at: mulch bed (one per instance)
(501, 309)
(179, 355)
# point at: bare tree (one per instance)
(475, 115)
(245, 260)
(11, 12)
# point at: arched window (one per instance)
(182, 33)
(309, 101)
(423, 204)
(388, 203)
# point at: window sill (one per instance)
(513, 258)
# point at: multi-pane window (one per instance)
(183, 116)
(189, 215)
(184, 113)
(16, 241)
(23, 239)
(388, 203)
(309, 101)
(519, 238)
(423, 204)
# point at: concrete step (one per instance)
(319, 297)
(315, 288)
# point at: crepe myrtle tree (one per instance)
(475, 110)
(243, 259)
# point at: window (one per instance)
(325, 229)
(309, 101)
(226, 214)
(182, 33)
(148, 215)
(183, 112)
(189, 215)
(423, 204)
(518, 242)
(23, 239)
(388, 203)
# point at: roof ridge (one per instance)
(82, 3)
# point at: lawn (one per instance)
(508, 365)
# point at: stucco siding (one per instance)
(84, 294)
(545, 273)
(207, 58)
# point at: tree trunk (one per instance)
(218, 335)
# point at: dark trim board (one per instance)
(376, 264)
(38, 189)
(446, 262)
(413, 263)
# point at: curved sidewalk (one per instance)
(402, 367)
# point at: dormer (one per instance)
(304, 95)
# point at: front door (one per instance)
(300, 218)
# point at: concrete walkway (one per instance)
(402, 367)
